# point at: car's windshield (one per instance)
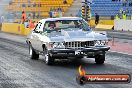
(65, 24)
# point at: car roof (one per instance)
(60, 18)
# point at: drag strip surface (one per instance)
(18, 71)
(120, 34)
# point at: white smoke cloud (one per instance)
(3, 6)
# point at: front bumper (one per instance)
(69, 52)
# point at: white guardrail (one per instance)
(123, 25)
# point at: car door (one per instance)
(36, 35)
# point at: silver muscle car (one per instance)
(64, 38)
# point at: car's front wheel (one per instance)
(32, 53)
(48, 58)
(99, 59)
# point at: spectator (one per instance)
(1, 21)
(121, 11)
(31, 24)
(117, 16)
(131, 17)
(124, 16)
(23, 16)
(50, 13)
(127, 11)
(38, 15)
(54, 13)
(58, 8)
(29, 16)
(64, 1)
(26, 24)
(33, 15)
(71, 15)
(60, 12)
(124, 12)
(96, 18)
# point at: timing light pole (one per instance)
(86, 10)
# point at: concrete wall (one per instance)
(123, 25)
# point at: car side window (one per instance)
(46, 25)
(49, 25)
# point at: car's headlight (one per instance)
(58, 45)
(100, 42)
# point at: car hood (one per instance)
(69, 35)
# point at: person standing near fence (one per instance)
(117, 17)
(124, 16)
(131, 17)
(60, 12)
(54, 13)
(50, 13)
(29, 16)
(96, 18)
(23, 17)
(1, 21)
(31, 24)
(34, 15)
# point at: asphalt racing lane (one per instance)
(18, 71)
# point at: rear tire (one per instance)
(32, 53)
(99, 59)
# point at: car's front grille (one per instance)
(79, 44)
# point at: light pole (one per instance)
(86, 10)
